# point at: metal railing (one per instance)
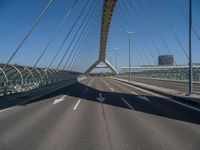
(166, 74)
(9, 85)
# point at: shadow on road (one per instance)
(157, 106)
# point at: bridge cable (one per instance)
(75, 65)
(56, 32)
(28, 33)
(66, 37)
(144, 55)
(159, 32)
(80, 36)
(144, 23)
(81, 47)
(82, 42)
(139, 13)
(145, 42)
(115, 22)
(81, 24)
(171, 28)
(179, 4)
(156, 26)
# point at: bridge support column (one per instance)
(109, 65)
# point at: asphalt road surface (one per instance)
(100, 114)
(176, 85)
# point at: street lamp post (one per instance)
(190, 48)
(129, 34)
(116, 50)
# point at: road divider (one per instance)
(186, 103)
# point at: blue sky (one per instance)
(124, 19)
(17, 16)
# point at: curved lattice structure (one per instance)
(15, 78)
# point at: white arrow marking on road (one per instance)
(143, 97)
(100, 98)
(59, 99)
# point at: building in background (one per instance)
(165, 60)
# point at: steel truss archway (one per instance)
(106, 19)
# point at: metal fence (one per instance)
(16, 78)
(164, 72)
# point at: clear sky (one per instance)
(126, 18)
(17, 16)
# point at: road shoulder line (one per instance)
(171, 100)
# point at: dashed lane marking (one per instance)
(76, 106)
(112, 89)
(129, 105)
(133, 93)
(171, 100)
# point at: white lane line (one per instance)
(4, 109)
(139, 89)
(75, 107)
(146, 91)
(104, 82)
(185, 105)
(86, 89)
(133, 93)
(89, 84)
(131, 107)
(112, 89)
(197, 92)
(59, 100)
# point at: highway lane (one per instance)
(167, 121)
(26, 128)
(85, 120)
(180, 86)
(161, 103)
